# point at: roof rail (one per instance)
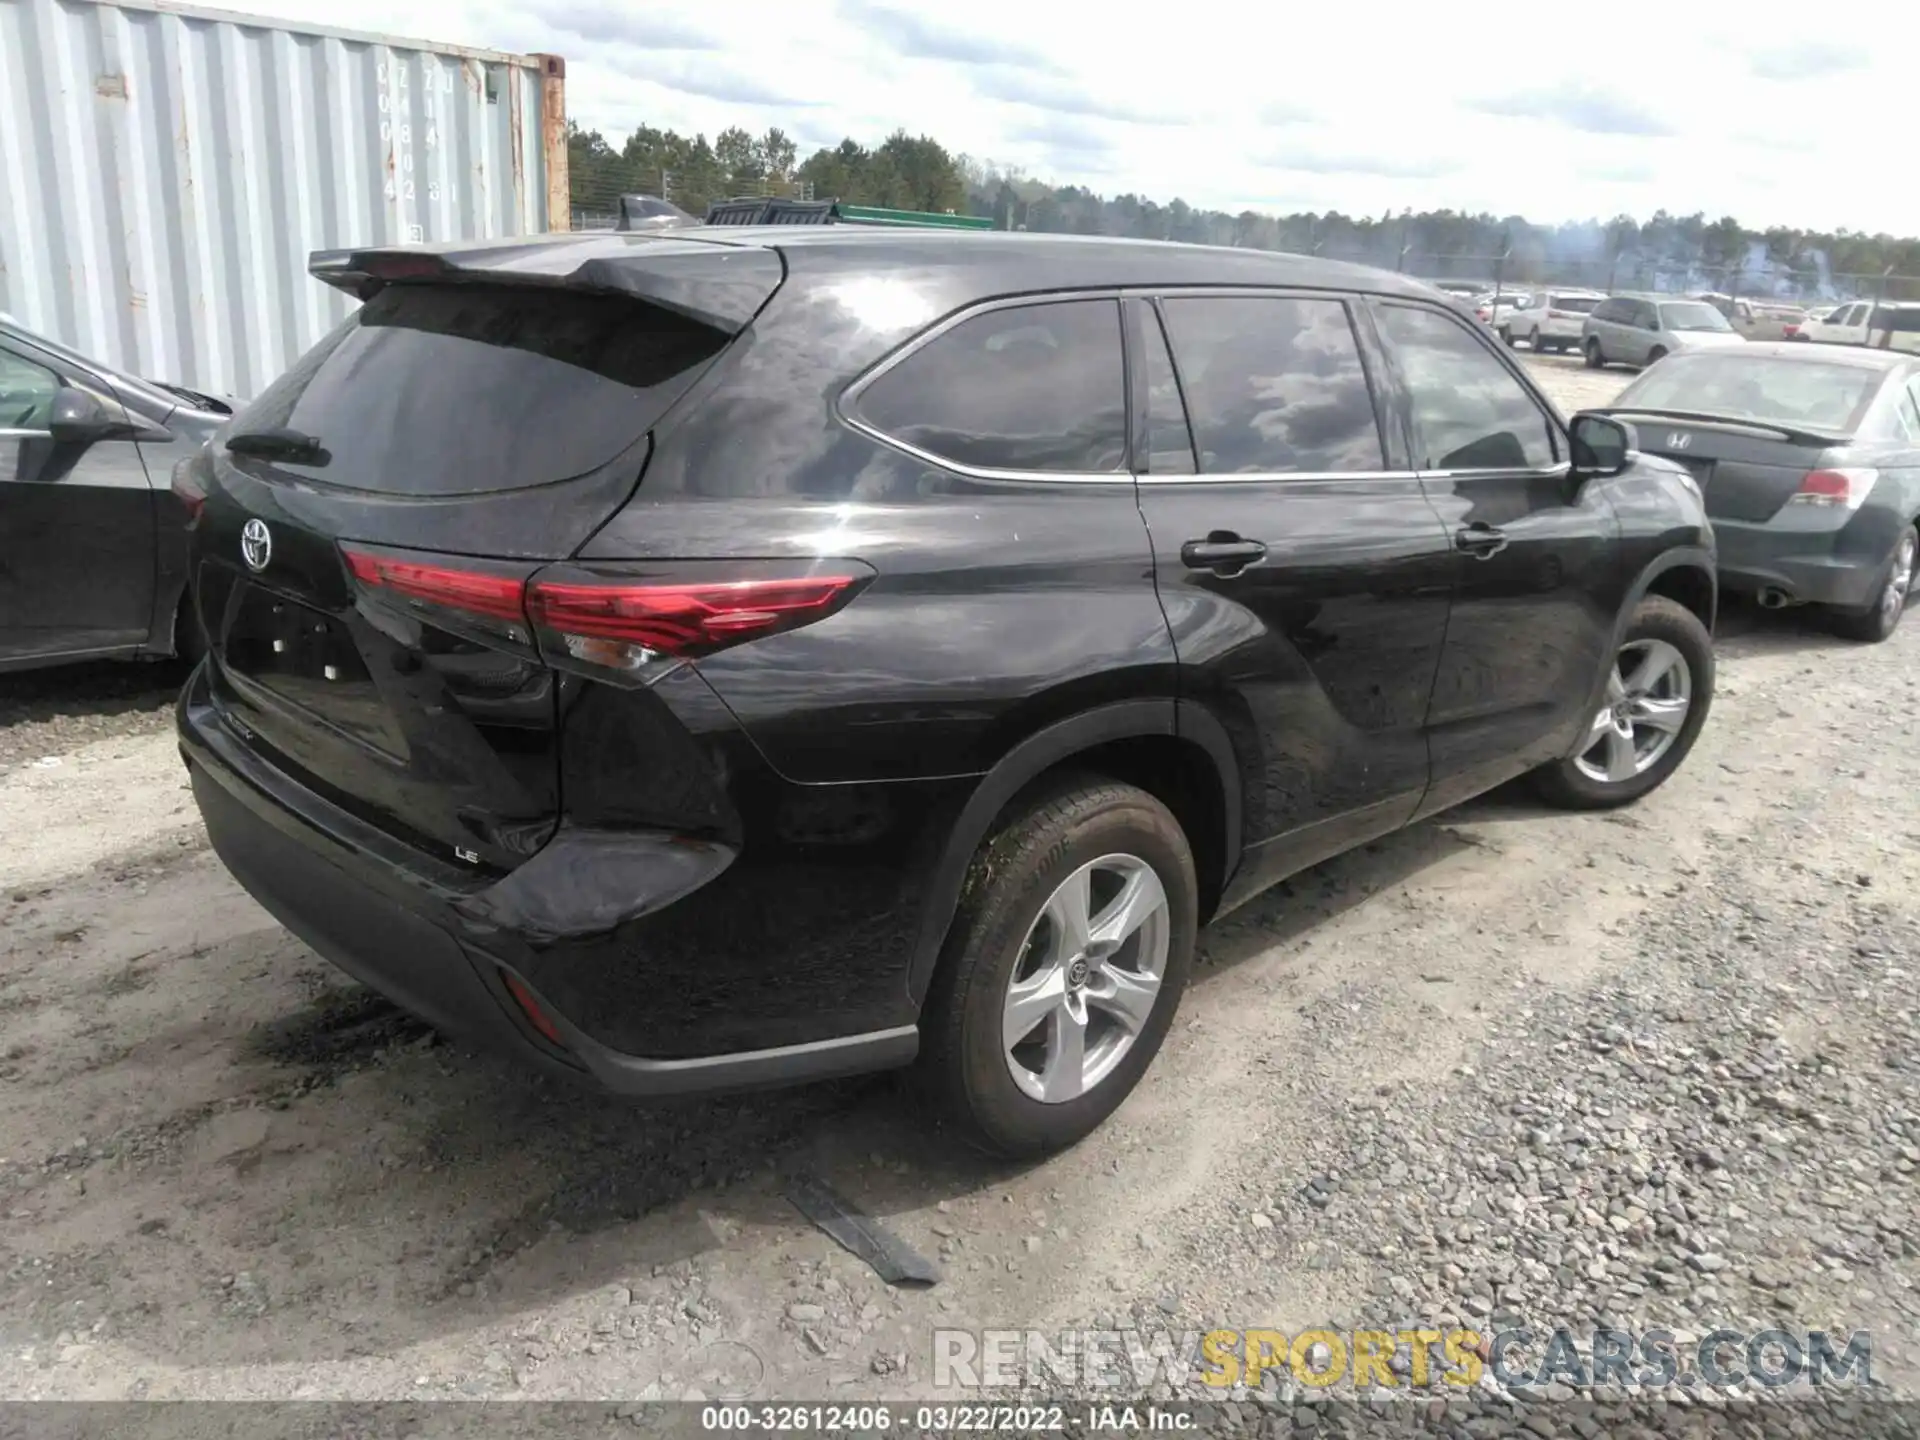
(759, 210)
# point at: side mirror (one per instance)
(1601, 444)
(80, 417)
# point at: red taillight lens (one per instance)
(498, 597)
(678, 620)
(1847, 488)
(616, 618)
(1482, 313)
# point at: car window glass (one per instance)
(1274, 383)
(26, 393)
(1908, 410)
(1033, 387)
(1469, 411)
(1169, 444)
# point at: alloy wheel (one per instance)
(1649, 692)
(1893, 599)
(1088, 977)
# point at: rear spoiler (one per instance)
(773, 210)
(718, 284)
(1731, 423)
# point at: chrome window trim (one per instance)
(845, 405)
(1272, 477)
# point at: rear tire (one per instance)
(1878, 621)
(1506, 336)
(1659, 690)
(1533, 340)
(1656, 355)
(1056, 871)
(1595, 360)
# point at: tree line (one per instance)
(1667, 252)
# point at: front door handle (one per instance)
(1480, 540)
(1222, 552)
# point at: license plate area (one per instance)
(282, 644)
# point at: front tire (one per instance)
(1656, 355)
(1595, 360)
(1506, 336)
(1879, 620)
(1064, 967)
(1533, 340)
(1659, 689)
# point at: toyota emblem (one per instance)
(256, 545)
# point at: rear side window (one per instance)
(1169, 443)
(1904, 320)
(1574, 304)
(464, 389)
(1610, 310)
(1274, 383)
(1469, 412)
(1031, 387)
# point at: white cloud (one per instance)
(1502, 106)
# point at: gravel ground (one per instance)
(1653, 1069)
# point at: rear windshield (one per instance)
(1692, 315)
(463, 389)
(1578, 304)
(1799, 394)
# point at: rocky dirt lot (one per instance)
(1657, 1068)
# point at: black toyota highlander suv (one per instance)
(730, 657)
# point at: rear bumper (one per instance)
(1839, 567)
(435, 944)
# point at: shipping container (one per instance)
(165, 171)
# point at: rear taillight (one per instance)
(1791, 331)
(604, 620)
(498, 597)
(1847, 489)
(1482, 312)
(617, 619)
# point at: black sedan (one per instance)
(1810, 464)
(93, 544)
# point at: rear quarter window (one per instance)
(1038, 388)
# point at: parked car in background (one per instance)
(1895, 326)
(1810, 463)
(741, 656)
(1461, 289)
(1640, 330)
(1549, 319)
(1757, 319)
(1493, 309)
(93, 544)
(1843, 325)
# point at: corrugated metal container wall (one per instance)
(165, 171)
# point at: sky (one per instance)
(1553, 112)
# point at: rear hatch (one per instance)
(369, 525)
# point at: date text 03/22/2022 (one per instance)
(941, 1419)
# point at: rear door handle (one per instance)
(1222, 552)
(1480, 540)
